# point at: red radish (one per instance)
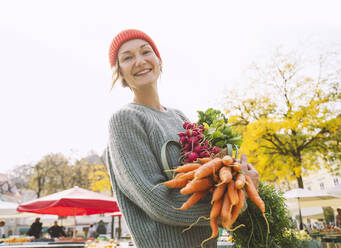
(197, 149)
(181, 134)
(189, 133)
(186, 125)
(182, 140)
(192, 156)
(215, 149)
(193, 140)
(204, 154)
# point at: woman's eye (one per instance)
(126, 58)
(146, 52)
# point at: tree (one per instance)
(289, 115)
(21, 175)
(55, 172)
(80, 174)
(99, 178)
(50, 174)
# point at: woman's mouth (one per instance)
(142, 73)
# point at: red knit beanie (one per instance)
(125, 35)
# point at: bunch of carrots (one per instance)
(222, 177)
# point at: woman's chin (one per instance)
(145, 82)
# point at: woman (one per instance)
(137, 133)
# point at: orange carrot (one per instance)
(176, 183)
(234, 216)
(236, 211)
(216, 208)
(188, 175)
(227, 160)
(253, 194)
(194, 198)
(178, 175)
(218, 192)
(215, 177)
(186, 167)
(241, 196)
(173, 183)
(225, 213)
(208, 169)
(204, 160)
(215, 230)
(240, 181)
(225, 175)
(237, 166)
(197, 185)
(233, 194)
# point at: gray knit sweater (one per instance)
(137, 134)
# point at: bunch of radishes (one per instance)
(194, 143)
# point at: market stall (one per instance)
(72, 202)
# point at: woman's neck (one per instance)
(148, 98)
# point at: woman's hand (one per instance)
(249, 170)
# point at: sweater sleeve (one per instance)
(137, 171)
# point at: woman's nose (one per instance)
(139, 60)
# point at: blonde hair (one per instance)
(116, 75)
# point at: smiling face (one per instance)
(138, 64)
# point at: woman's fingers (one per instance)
(249, 170)
(243, 161)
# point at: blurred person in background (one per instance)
(56, 231)
(101, 229)
(92, 231)
(2, 229)
(35, 229)
(338, 217)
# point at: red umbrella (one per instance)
(72, 202)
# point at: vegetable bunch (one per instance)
(194, 143)
(217, 129)
(222, 177)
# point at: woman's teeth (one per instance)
(142, 72)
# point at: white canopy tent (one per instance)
(306, 198)
(7, 208)
(335, 190)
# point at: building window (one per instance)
(322, 186)
(336, 181)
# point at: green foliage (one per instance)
(328, 213)
(254, 234)
(217, 129)
(209, 116)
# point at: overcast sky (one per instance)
(55, 76)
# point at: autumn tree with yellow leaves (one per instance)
(55, 172)
(290, 115)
